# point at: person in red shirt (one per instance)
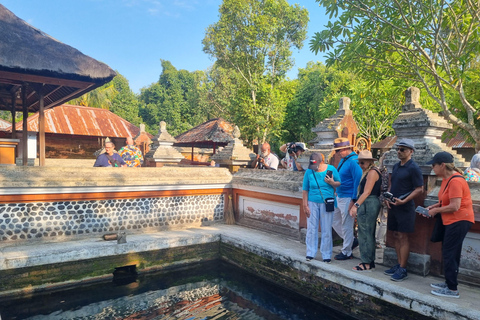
(455, 207)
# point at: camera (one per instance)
(294, 147)
(291, 147)
(389, 196)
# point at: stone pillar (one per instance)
(235, 155)
(142, 140)
(341, 124)
(162, 151)
(425, 128)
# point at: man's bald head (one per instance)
(266, 147)
(130, 141)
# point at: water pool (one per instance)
(215, 290)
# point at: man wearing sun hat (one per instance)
(406, 183)
(350, 175)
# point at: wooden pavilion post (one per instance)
(25, 128)
(14, 113)
(41, 125)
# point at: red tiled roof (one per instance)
(4, 125)
(79, 120)
(216, 130)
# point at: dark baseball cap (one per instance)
(441, 157)
(315, 160)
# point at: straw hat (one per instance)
(365, 155)
(341, 143)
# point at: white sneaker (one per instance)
(442, 285)
(445, 292)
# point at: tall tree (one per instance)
(253, 38)
(432, 43)
(125, 103)
(318, 91)
(175, 99)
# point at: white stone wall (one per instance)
(67, 219)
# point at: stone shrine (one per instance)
(425, 128)
(162, 151)
(235, 155)
(341, 124)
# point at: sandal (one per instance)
(363, 267)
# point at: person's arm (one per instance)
(453, 206)
(305, 203)
(417, 191)
(255, 162)
(331, 181)
(356, 173)
(283, 148)
(372, 177)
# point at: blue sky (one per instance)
(131, 36)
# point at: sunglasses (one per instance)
(402, 149)
(361, 162)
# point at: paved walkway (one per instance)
(413, 293)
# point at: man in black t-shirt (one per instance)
(406, 183)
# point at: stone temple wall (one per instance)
(59, 204)
(65, 219)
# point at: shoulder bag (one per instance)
(329, 202)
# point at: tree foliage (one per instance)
(430, 43)
(317, 95)
(253, 40)
(115, 96)
(175, 99)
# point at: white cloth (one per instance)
(318, 214)
(343, 224)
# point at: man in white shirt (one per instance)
(266, 159)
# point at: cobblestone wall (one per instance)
(52, 220)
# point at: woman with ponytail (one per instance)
(366, 210)
(455, 207)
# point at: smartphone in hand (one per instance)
(329, 173)
(423, 211)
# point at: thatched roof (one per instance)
(214, 130)
(27, 55)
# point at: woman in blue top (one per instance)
(318, 186)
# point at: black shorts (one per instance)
(402, 218)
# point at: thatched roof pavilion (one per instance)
(38, 72)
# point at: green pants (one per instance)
(367, 220)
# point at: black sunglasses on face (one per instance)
(401, 149)
(361, 162)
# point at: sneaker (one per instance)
(309, 258)
(355, 243)
(342, 256)
(392, 270)
(442, 285)
(327, 260)
(400, 274)
(445, 292)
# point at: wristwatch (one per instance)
(356, 205)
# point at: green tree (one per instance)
(253, 39)
(125, 103)
(100, 97)
(318, 92)
(175, 99)
(430, 43)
